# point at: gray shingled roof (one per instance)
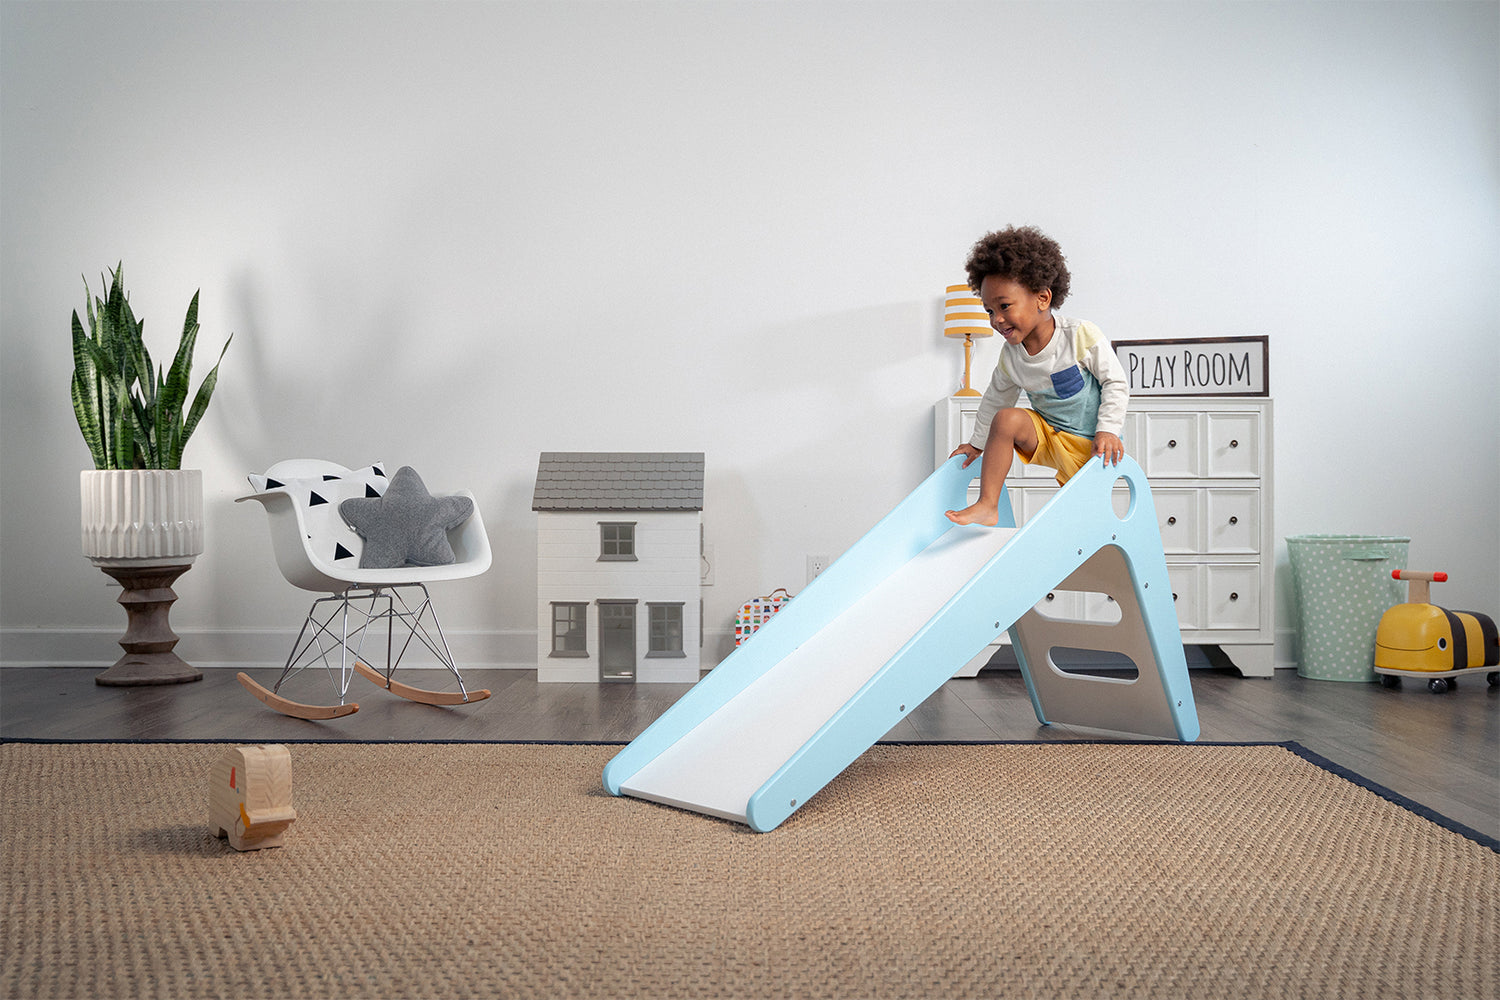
(619, 480)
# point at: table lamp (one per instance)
(964, 316)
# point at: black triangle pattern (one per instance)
(322, 507)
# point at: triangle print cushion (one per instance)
(319, 498)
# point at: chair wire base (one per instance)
(340, 623)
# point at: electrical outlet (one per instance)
(815, 565)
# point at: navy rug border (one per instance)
(1292, 746)
(1431, 815)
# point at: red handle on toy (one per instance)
(1406, 574)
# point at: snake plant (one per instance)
(131, 412)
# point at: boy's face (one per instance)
(1016, 312)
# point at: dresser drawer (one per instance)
(1233, 520)
(1168, 447)
(1233, 596)
(1178, 514)
(1234, 441)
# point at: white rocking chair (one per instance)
(317, 551)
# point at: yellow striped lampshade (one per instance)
(963, 314)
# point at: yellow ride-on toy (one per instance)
(1420, 639)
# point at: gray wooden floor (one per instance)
(1443, 751)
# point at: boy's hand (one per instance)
(968, 451)
(1110, 447)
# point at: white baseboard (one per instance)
(237, 649)
(1286, 649)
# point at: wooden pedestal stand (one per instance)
(148, 638)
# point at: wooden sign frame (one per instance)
(1199, 366)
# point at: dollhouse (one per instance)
(619, 554)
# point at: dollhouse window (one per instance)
(617, 541)
(570, 629)
(665, 622)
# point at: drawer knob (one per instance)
(1172, 520)
(1174, 598)
(1234, 520)
(1235, 443)
(1172, 443)
(1051, 597)
(1234, 596)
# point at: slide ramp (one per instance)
(719, 765)
(893, 618)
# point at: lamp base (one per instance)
(148, 639)
(968, 392)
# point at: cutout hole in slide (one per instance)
(1093, 663)
(1081, 606)
(1122, 498)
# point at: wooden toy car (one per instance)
(1420, 639)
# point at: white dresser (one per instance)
(1209, 462)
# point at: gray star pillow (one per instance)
(408, 526)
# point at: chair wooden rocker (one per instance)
(317, 550)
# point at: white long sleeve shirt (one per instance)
(1076, 383)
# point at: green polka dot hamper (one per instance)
(1343, 585)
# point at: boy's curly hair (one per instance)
(1025, 255)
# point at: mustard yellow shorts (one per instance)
(1060, 450)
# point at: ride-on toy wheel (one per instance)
(1438, 685)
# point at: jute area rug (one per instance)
(473, 870)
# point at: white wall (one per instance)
(454, 236)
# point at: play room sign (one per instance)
(1218, 366)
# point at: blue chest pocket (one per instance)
(1068, 383)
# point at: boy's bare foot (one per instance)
(976, 514)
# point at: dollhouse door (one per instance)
(617, 641)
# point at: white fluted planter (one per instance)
(144, 528)
(140, 517)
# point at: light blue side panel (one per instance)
(1075, 524)
(1130, 566)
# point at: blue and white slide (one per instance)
(895, 616)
